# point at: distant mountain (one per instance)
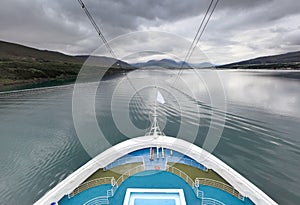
(169, 63)
(288, 60)
(203, 65)
(21, 64)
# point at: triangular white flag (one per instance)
(160, 98)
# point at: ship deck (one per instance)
(161, 163)
(155, 179)
(168, 171)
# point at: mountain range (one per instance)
(170, 63)
(21, 64)
(289, 60)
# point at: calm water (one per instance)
(39, 145)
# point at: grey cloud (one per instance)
(293, 37)
(63, 26)
(263, 15)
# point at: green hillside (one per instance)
(20, 52)
(283, 61)
(24, 65)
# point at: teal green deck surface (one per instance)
(157, 180)
(220, 195)
(86, 195)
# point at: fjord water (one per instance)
(39, 145)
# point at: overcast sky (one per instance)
(238, 30)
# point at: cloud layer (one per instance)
(239, 29)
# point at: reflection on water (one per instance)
(39, 146)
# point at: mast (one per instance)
(155, 125)
(155, 130)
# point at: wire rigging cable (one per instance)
(188, 54)
(213, 9)
(107, 45)
(97, 28)
(210, 10)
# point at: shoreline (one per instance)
(31, 84)
(43, 83)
